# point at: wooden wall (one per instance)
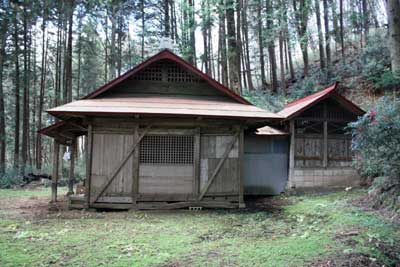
(108, 151)
(212, 151)
(214, 172)
(164, 78)
(310, 149)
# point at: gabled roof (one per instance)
(296, 107)
(161, 106)
(232, 106)
(167, 54)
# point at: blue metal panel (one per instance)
(265, 164)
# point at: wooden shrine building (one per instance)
(320, 145)
(166, 135)
(162, 135)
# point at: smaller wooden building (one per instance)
(320, 146)
(162, 135)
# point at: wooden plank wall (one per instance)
(165, 179)
(309, 151)
(163, 182)
(212, 149)
(108, 151)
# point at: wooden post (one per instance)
(325, 142)
(291, 153)
(89, 149)
(135, 168)
(196, 162)
(54, 177)
(241, 169)
(71, 177)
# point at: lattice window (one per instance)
(167, 149)
(151, 73)
(177, 74)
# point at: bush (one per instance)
(10, 178)
(376, 141)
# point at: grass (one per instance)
(296, 234)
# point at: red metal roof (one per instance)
(162, 105)
(167, 54)
(294, 108)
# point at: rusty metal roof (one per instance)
(161, 106)
(296, 107)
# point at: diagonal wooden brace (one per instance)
(114, 173)
(218, 167)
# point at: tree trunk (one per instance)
(341, 27)
(204, 31)
(42, 87)
(68, 60)
(393, 11)
(3, 38)
(365, 18)
(222, 43)
(142, 14)
(233, 55)
(112, 41)
(320, 37)
(17, 91)
(334, 22)
(245, 31)
(301, 15)
(271, 46)
(239, 44)
(25, 104)
(261, 44)
(167, 27)
(327, 35)
(288, 44)
(192, 29)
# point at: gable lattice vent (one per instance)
(167, 72)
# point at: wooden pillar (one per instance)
(325, 146)
(292, 150)
(196, 162)
(325, 141)
(71, 178)
(54, 177)
(89, 149)
(135, 168)
(241, 169)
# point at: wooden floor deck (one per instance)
(80, 202)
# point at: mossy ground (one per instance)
(293, 231)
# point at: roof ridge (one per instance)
(316, 94)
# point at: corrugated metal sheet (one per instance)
(265, 164)
(157, 105)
